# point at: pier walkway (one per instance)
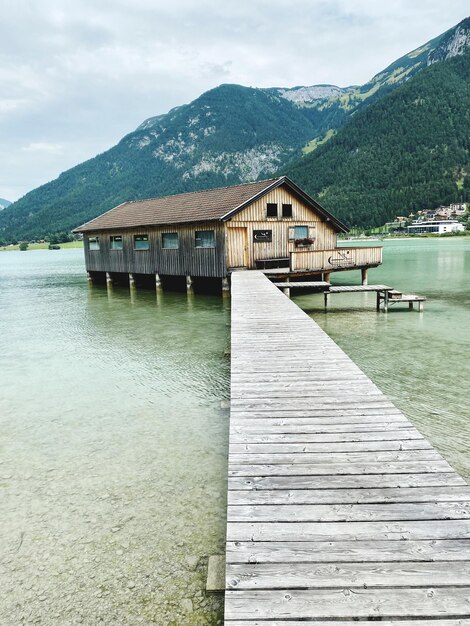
(339, 511)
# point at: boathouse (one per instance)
(262, 225)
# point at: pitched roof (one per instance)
(197, 206)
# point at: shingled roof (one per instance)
(197, 206)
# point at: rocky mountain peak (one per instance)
(453, 43)
(300, 95)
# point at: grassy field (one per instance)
(44, 246)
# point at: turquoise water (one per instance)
(113, 448)
(113, 439)
(420, 360)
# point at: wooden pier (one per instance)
(386, 296)
(339, 511)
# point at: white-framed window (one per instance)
(170, 241)
(94, 243)
(204, 239)
(141, 242)
(116, 242)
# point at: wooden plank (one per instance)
(350, 496)
(352, 481)
(358, 531)
(348, 512)
(350, 575)
(320, 469)
(339, 603)
(341, 551)
(303, 457)
(325, 448)
(414, 622)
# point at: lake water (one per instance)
(113, 439)
(420, 360)
(113, 448)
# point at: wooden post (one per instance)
(410, 305)
(325, 299)
(225, 287)
(109, 280)
(378, 301)
(286, 289)
(420, 306)
(326, 277)
(364, 276)
(158, 283)
(89, 277)
(385, 301)
(189, 284)
(131, 281)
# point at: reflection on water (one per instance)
(113, 448)
(421, 361)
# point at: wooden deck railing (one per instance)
(335, 259)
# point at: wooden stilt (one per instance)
(364, 276)
(326, 276)
(325, 299)
(378, 301)
(385, 301)
(189, 284)
(109, 280)
(89, 277)
(158, 283)
(225, 287)
(410, 305)
(420, 306)
(131, 281)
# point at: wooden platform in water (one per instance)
(339, 510)
(311, 284)
(354, 288)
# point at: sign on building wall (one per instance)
(262, 236)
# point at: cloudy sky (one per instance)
(75, 76)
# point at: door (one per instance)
(237, 246)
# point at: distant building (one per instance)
(437, 226)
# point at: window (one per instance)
(271, 209)
(170, 241)
(300, 232)
(94, 243)
(116, 242)
(205, 239)
(287, 210)
(141, 242)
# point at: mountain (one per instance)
(410, 150)
(228, 135)
(4, 203)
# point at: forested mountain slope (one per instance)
(408, 151)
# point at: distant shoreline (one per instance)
(43, 246)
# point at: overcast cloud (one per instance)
(77, 76)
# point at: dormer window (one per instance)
(271, 209)
(287, 210)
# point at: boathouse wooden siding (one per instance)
(187, 260)
(246, 228)
(242, 251)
